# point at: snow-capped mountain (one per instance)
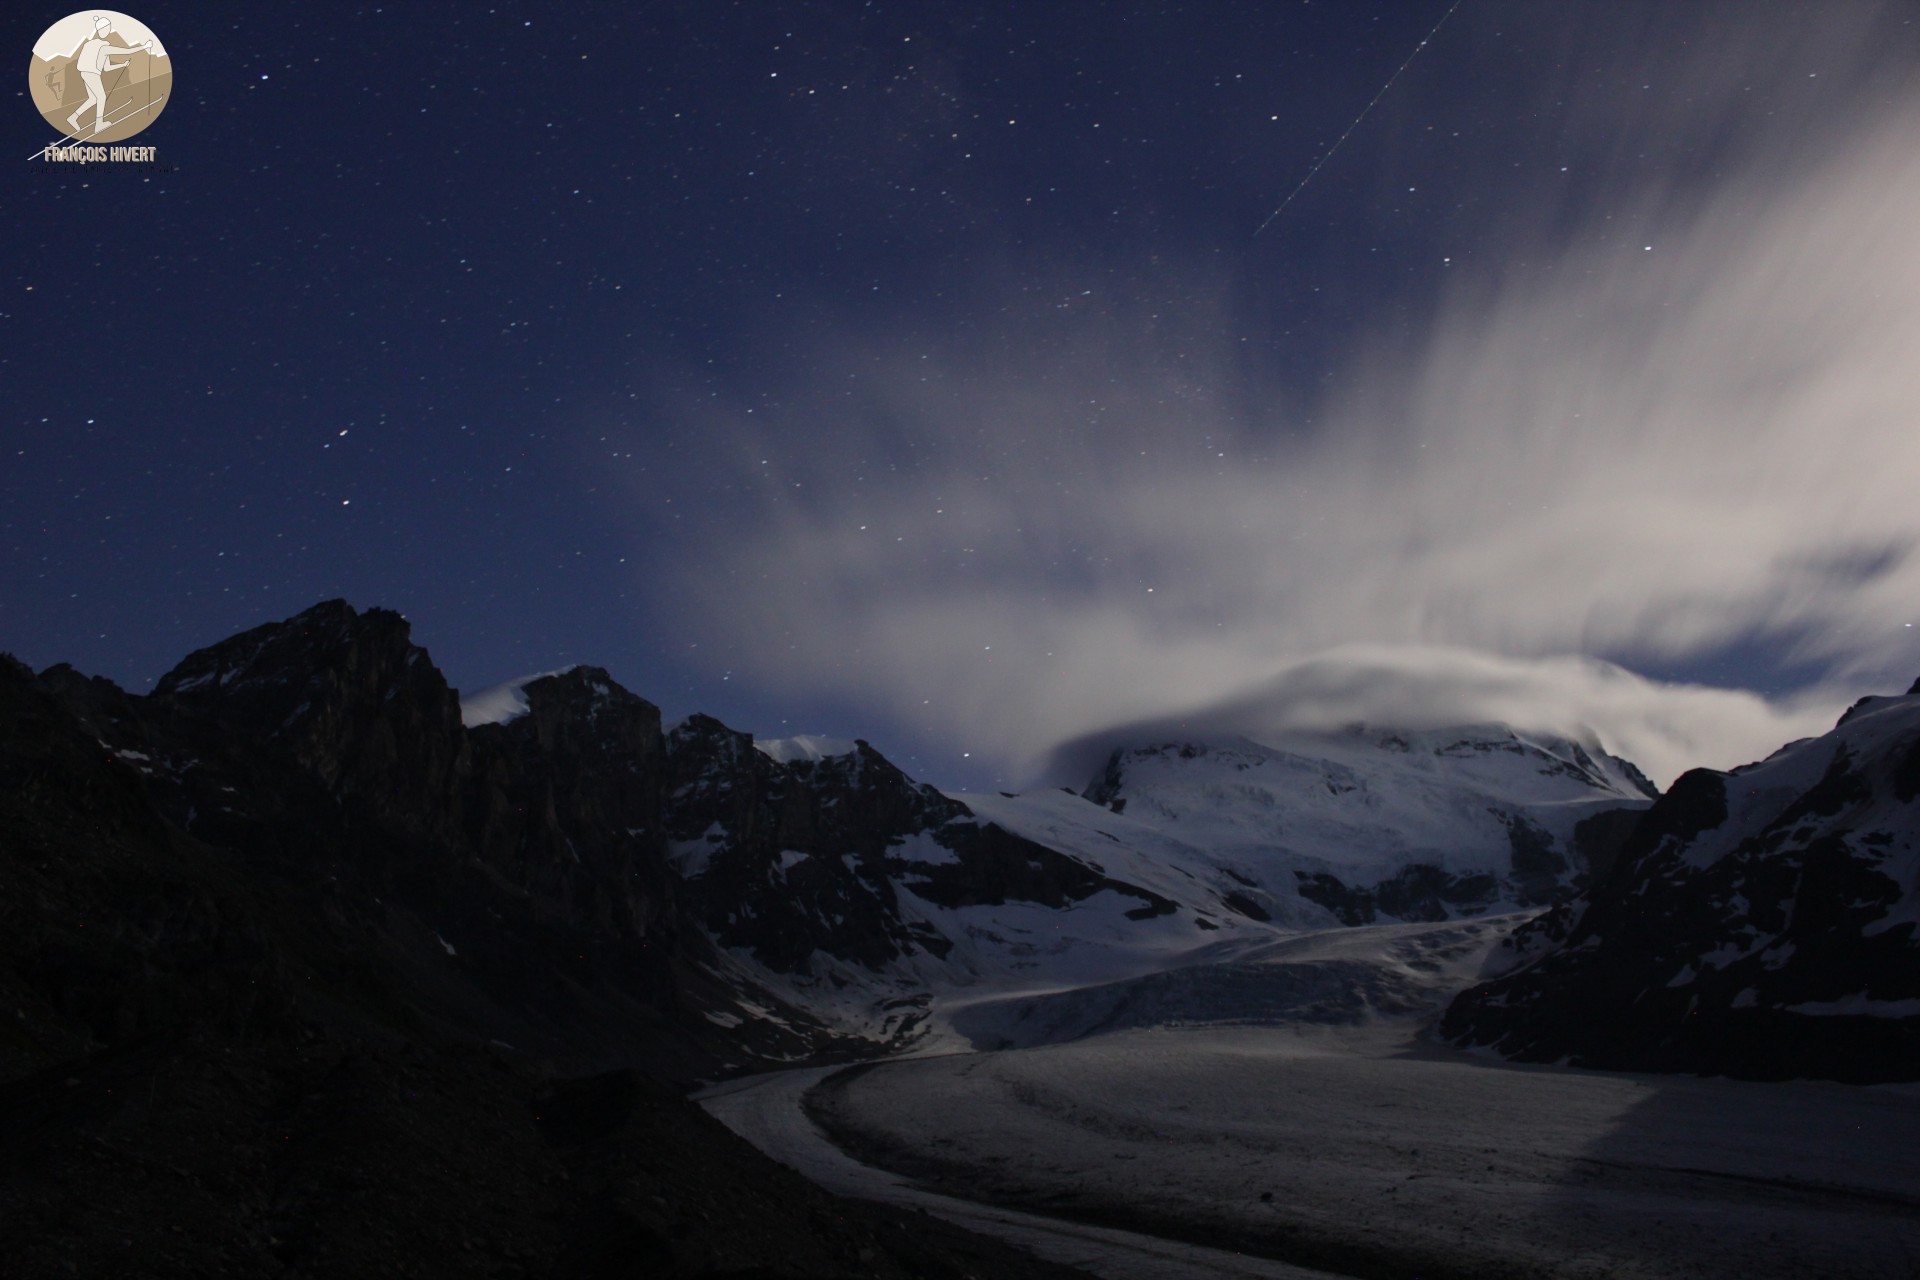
(1312, 829)
(1763, 922)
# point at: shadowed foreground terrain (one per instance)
(227, 1055)
(255, 1158)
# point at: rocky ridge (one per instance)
(577, 880)
(1762, 922)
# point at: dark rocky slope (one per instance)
(488, 876)
(1759, 923)
(300, 977)
(788, 859)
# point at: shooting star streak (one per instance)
(1328, 154)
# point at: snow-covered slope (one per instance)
(860, 895)
(503, 703)
(1760, 922)
(1314, 829)
(805, 746)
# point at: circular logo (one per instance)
(99, 76)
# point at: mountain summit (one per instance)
(1370, 823)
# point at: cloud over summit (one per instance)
(1693, 426)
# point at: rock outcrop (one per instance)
(1759, 923)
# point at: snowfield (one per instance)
(1292, 1106)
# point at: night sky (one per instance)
(921, 372)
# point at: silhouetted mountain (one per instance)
(300, 975)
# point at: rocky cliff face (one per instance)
(573, 879)
(1758, 923)
(507, 883)
(790, 860)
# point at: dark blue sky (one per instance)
(433, 306)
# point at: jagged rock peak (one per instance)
(589, 695)
(331, 636)
(347, 693)
(701, 734)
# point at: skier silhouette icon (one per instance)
(93, 60)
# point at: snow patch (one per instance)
(923, 849)
(804, 746)
(503, 702)
(690, 857)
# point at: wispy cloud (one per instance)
(1697, 426)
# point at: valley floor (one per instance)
(770, 1111)
(1368, 1152)
(1362, 1148)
